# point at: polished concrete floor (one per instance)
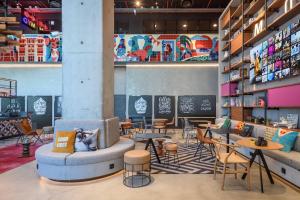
(24, 183)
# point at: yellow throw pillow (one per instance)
(64, 142)
(240, 126)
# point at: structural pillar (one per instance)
(88, 66)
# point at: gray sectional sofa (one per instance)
(85, 165)
(286, 165)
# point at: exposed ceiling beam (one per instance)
(169, 10)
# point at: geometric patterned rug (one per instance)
(188, 163)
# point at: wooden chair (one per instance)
(231, 158)
(202, 141)
(159, 125)
(26, 131)
(171, 124)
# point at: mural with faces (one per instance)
(140, 106)
(41, 109)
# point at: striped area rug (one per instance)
(188, 164)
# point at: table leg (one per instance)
(266, 166)
(260, 175)
(150, 141)
(227, 141)
(255, 153)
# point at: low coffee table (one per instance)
(250, 143)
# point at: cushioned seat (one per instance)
(45, 155)
(171, 147)
(292, 158)
(137, 157)
(111, 153)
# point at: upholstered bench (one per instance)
(85, 165)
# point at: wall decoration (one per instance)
(278, 57)
(16, 105)
(120, 106)
(165, 48)
(164, 107)
(197, 106)
(140, 106)
(34, 48)
(41, 107)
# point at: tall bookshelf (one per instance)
(237, 34)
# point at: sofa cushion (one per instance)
(226, 124)
(102, 155)
(84, 124)
(64, 142)
(289, 158)
(247, 131)
(259, 131)
(286, 138)
(86, 140)
(269, 133)
(112, 131)
(45, 155)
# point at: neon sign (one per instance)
(30, 20)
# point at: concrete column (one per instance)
(88, 67)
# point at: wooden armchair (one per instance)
(26, 132)
(231, 158)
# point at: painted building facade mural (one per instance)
(34, 48)
(165, 48)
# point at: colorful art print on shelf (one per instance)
(282, 59)
(165, 48)
(34, 48)
(256, 63)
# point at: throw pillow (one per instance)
(64, 142)
(269, 133)
(286, 138)
(226, 123)
(86, 140)
(240, 126)
(247, 131)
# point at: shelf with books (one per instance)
(275, 5)
(254, 39)
(250, 26)
(237, 12)
(226, 47)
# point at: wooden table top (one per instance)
(160, 119)
(199, 121)
(124, 123)
(250, 143)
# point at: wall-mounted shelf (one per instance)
(240, 35)
(254, 7)
(285, 17)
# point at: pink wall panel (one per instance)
(228, 89)
(284, 97)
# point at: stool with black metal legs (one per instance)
(137, 168)
(171, 150)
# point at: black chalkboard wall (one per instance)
(197, 106)
(41, 107)
(17, 104)
(120, 106)
(164, 107)
(140, 106)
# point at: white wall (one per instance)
(35, 81)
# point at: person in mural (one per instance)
(53, 49)
(185, 47)
(214, 50)
(168, 53)
(121, 49)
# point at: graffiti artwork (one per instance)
(165, 48)
(34, 48)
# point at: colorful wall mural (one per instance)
(34, 48)
(165, 48)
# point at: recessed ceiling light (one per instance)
(184, 25)
(137, 3)
(215, 25)
(155, 25)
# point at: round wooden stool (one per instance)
(137, 168)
